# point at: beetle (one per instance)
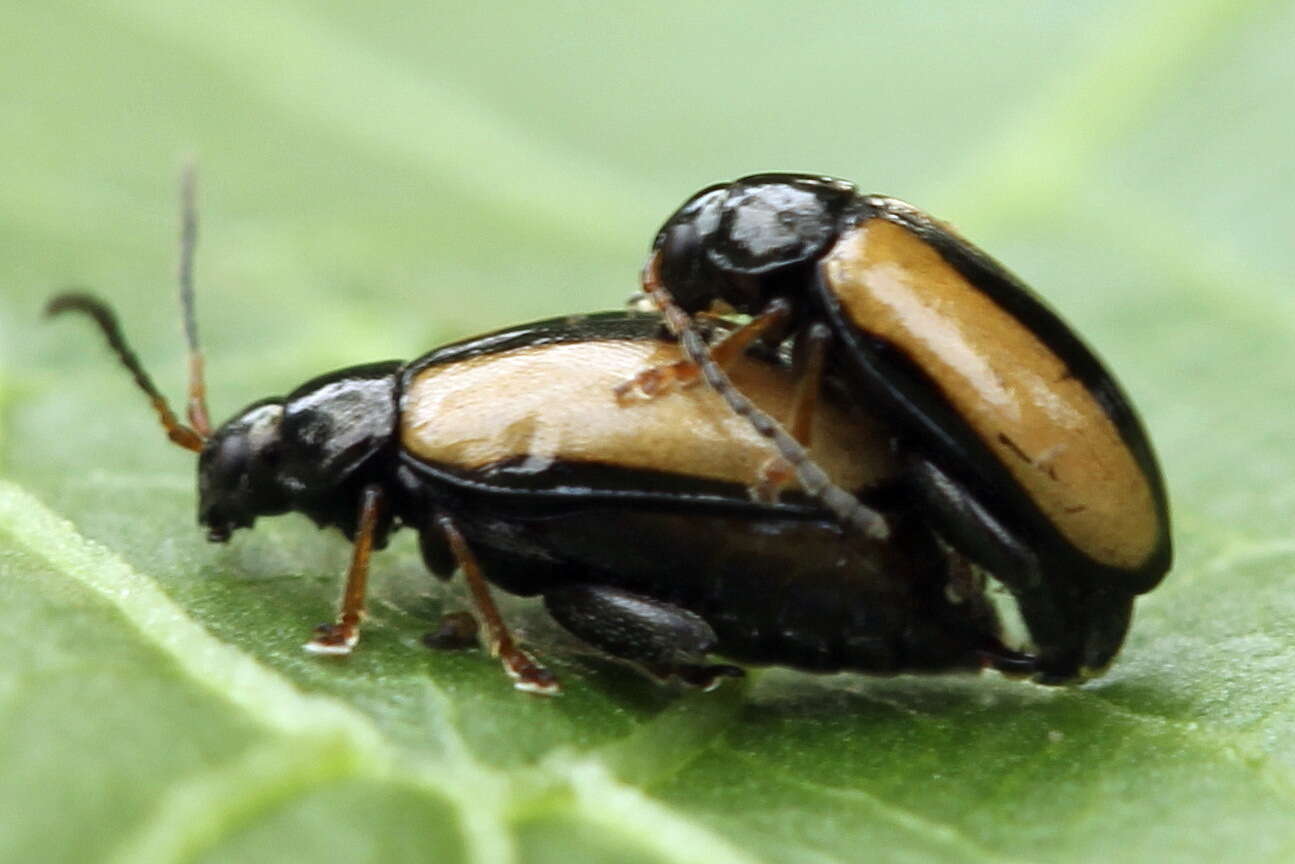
(508, 455)
(1029, 458)
(635, 528)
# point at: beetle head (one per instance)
(750, 241)
(306, 452)
(238, 471)
(682, 243)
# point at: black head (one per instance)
(749, 241)
(307, 452)
(238, 471)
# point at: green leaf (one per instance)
(379, 178)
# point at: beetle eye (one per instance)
(681, 252)
(230, 459)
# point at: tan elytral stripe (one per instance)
(1017, 395)
(554, 403)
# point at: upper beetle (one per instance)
(508, 456)
(1025, 450)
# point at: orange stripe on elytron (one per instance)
(1016, 394)
(553, 403)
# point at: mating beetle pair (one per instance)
(513, 461)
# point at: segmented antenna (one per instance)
(199, 429)
(197, 406)
(74, 301)
(815, 482)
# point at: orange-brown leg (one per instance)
(341, 637)
(527, 674)
(862, 521)
(811, 349)
(658, 380)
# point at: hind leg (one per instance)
(666, 640)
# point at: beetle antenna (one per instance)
(197, 406)
(813, 479)
(74, 301)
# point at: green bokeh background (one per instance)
(378, 178)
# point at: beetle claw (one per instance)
(657, 381)
(530, 677)
(333, 640)
(775, 475)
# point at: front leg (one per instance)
(340, 638)
(658, 380)
(866, 524)
(811, 354)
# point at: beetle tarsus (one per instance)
(657, 381)
(336, 640)
(776, 474)
(529, 676)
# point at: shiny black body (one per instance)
(762, 237)
(677, 557)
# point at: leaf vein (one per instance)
(904, 818)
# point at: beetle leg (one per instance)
(666, 640)
(527, 674)
(971, 529)
(658, 380)
(1076, 628)
(340, 638)
(862, 521)
(811, 349)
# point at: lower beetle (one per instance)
(508, 455)
(1028, 456)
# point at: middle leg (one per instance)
(526, 673)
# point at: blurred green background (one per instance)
(379, 178)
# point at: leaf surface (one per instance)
(380, 178)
